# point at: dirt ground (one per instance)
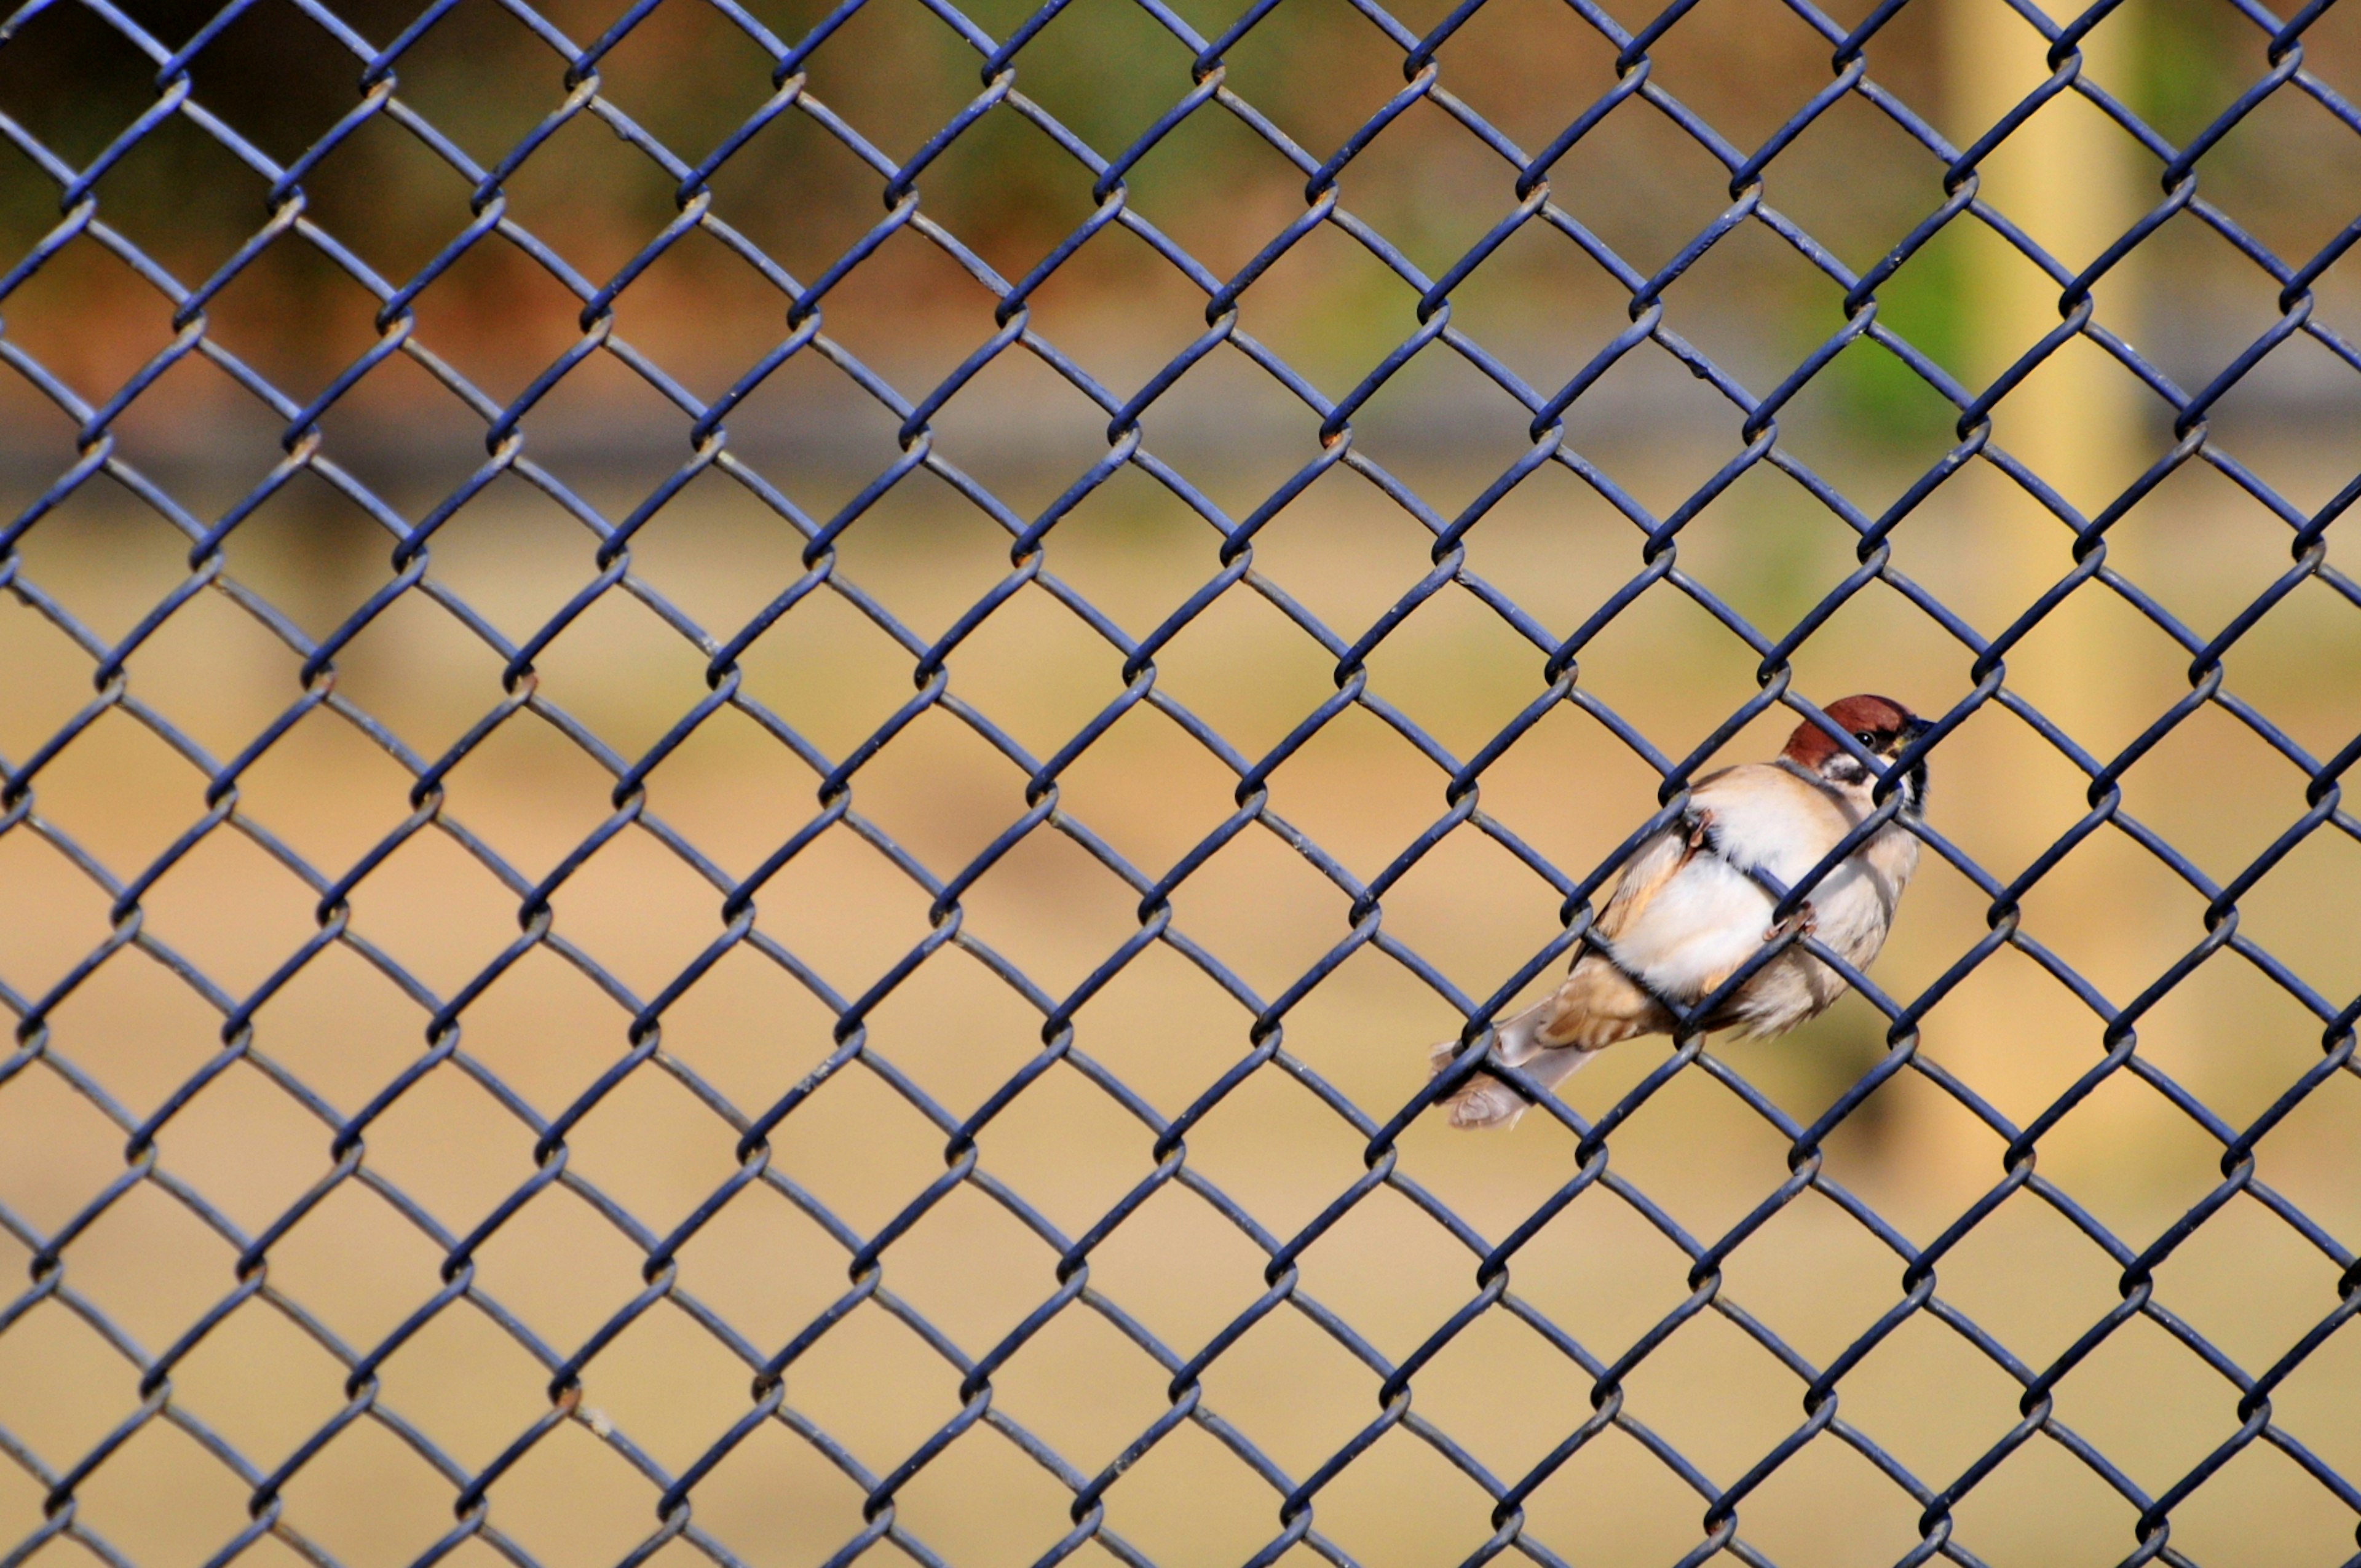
(2248, 1282)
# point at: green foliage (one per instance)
(2183, 63)
(1883, 401)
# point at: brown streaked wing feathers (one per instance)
(1598, 1006)
(1643, 877)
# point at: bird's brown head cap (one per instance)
(1872, 720)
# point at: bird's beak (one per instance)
(1913, 728)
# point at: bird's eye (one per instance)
(1866, 737)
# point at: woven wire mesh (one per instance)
(826, 796)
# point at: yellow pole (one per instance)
(2073, 182)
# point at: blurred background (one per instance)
(198, 441)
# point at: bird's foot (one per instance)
(1700, 828)
(1801, 923)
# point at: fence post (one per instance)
(2072, 180)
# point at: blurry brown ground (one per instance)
(2246, 1281)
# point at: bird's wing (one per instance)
(1700, 915)
(1755, 814)
(1686, 913)
(1644, 875)
(1598, 1004)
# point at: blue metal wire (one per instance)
(1204, 90)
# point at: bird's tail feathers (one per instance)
(1485, 1100)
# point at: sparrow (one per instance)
(1685, 913)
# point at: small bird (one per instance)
(1685, 915)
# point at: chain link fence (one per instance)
(802, 925)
